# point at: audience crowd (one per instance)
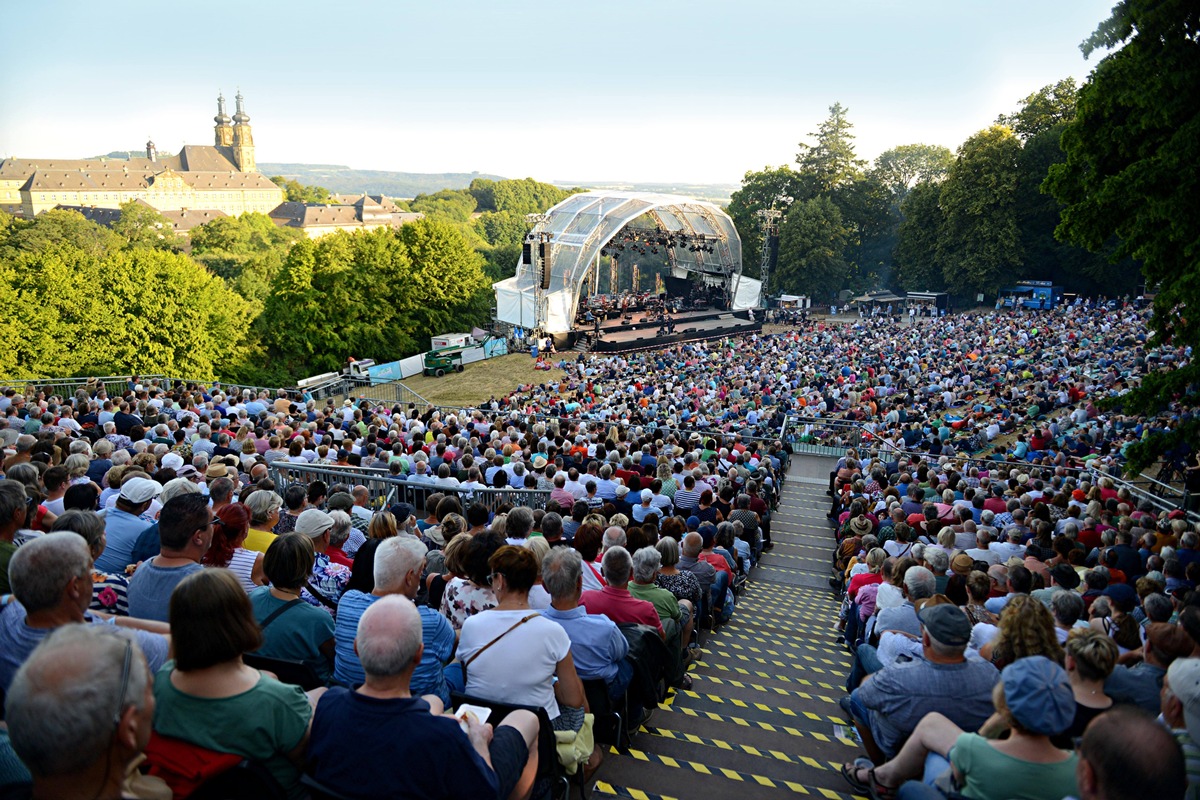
(557, 552)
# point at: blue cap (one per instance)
(1038, 695)
(693, 522)
(1123, 595)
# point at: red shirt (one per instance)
(620, 606)
(860, 580)
(718, 561)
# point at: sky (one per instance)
(674, 91)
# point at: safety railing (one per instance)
(820, 436)
(385, 489)
(392, 393)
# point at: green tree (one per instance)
(1129, 180)
(59, 227)
(981, 242)
(296, 192)
(901, 168)
(812, 240)
(1048, 107)
(484, 192)
(455, 205)
(770, 187)
(245, 251)
(917, 254)
(502, 227)
(871, 219)
(143, 227)
(831, 160)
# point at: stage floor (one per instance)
(689, 328)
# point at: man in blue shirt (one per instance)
(123, 524)
(598, 647)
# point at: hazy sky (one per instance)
(652, 90)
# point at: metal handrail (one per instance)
(385, 489)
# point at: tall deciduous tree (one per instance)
(770, 187)
(1042, 110)
(831, 160)
(1131, 175)
(812, 241)
(296, 192)
(981, 242)
(142, 226)
(917, 254)
(903, 167)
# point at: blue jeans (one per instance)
(717, 595)
(866, 661)
(620, 681)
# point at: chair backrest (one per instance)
(246, 780)
(547, 745)
(296, 673)
(318, 790)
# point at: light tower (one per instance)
(542, 256)
(770, 249)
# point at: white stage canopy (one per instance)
(582, 224)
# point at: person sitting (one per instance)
(1125, 754)
(291, 630)
(598, 647)
(51, 580)
(1141, 684)
(368, 742)
(1033, 700)
(230, 529)
(511, 653)
(206, 696)
(101, 683)
(185, 529)
(889, 703)
(328, 580)
(398, 565)
(614, 600)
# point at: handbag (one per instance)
(479, 652)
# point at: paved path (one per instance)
(762, 719)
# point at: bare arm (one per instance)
(569, 689)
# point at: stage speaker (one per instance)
(527, 254)
(544, 255)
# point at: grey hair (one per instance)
(87, 524)
(42, 567)
(1158, 607)
(561, 571)
(1067, 607)
(383, 653)
(77, 464)
(340, 531)
(646, 562)
(614, 536)
(920, 583)
(617, 565)
(12, 498)
(395, 558)
(261, 504)
(62, 701)
(937, 558)
(669, 549)
(177, 487)
(519, 523)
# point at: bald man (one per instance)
(366, 742)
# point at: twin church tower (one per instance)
(237, 136)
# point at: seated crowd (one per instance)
(269, 625)
(566, 544)
(1015, 630)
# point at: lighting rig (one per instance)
(643, 241)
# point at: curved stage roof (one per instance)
(582, 224)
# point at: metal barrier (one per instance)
(392, 393)
(817, 436)
(386, 490)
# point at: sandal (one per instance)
(873, 788)
(686, 682)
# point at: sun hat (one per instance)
(139, 490)
(1038, 695)
(962, 564)
(313, 522)
(172, 461)
(216, 470)
(1065, 576)
(860, 525)
(946, 623)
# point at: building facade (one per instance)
(222, 177)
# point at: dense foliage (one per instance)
(1129, 180)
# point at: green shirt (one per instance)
(295, 635)
(6, 553)
(664, 602)
(989, 774)
(263, 724)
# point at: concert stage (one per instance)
(618, 336)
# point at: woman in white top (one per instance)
(513, 653)
(229, 534)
